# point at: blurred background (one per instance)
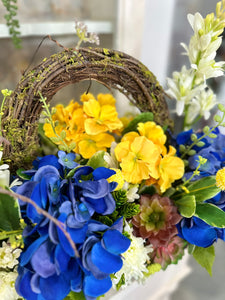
(149, 30)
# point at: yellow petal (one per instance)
(130, 136)
(92, 108)
(86, 97)
(104, 99)
(122, 150)
(92, 127)
(87, 148)
(153, 132)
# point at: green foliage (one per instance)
(129, 210)
(186, 205)
(142, 118)
(120, 197)
(121, 282)
(153, 268)
(9, 213)
(75, 296)
(205, 257)
(22, 175)
(203, 189)
(12, 23)
(211, 214)
(97, 160)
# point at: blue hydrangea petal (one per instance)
(54, 287)
(23, 287)
(199, 236)
(34, 283)
(86, 170)
(75, 275)
(41, 261)
(94, 189)
(47, 160)
(94, 226)
(26, 190)
(104, 260)
(115, 242)
(94, 287)
(102, 172)
(28, 253)
(46, 172)
(118, 225)
(61, 258)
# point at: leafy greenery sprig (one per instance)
(11, 22)
(208, 132)
(58, 138)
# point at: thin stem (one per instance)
(41, 211)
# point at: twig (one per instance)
(44, 213)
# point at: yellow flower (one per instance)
(220, 179)
(138, 158)
(100, 118)
(106, 99)
(90, 144)
(86, 97)
(171, 168)
(154, 133)
(118, 177)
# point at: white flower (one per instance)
(4, 173)
(7, 286)
(201, 105)
(181, 88)
(134, 263)
(132, 190)
(8, 256)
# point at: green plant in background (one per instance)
(11, 22)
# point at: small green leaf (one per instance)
(63, 148)
(22, 175)
(55, 139)
(205, 257)
(141, 118)
(204, 188)
(97, 160)
(9, 213)
(211, 214)
(75, 296)
(186, 205)
(63, 134)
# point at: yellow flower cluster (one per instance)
(143, 156)
(86, 125)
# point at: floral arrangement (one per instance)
(112, 200)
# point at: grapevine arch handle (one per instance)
(109, 67)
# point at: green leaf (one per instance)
(22, 175)
(75, 296)
(141, 118)
(211, 214)
(205, 257)
(9, 213)
(204, 188)
(97, 160)
(186, 205)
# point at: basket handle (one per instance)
(109, 67)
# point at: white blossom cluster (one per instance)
(134, 263)
(188, 87)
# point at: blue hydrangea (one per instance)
(48, 267)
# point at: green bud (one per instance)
(212, 135)
(223, 124)
(206, 129)
(63, 148)
(217, 118)
(63, 134)
(186, 163)
(55, 139)
(72, 146)
(221, 107)
(200, 144)
(191, 152)
(53, 111)
(194, 137)
(182, 148)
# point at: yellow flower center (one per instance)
(220, 179)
